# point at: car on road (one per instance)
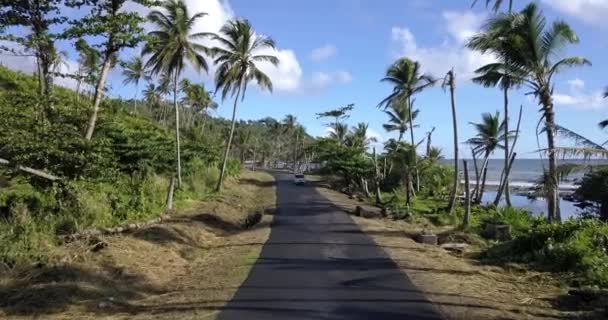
(299, 179)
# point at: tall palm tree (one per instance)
(399, 117)
(528, 47)
(489, 137)
(134, 71)
(449, 81)
(171, 46)
(237, 58)
(407, 79)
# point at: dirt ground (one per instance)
(460, 286)
(186, 268)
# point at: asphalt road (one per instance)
(317, 264)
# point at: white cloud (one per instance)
(579, 98)
(439, 59)
(576, 84)
(323, 53)
(321, 80)
(590, 11)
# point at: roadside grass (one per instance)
(186, 268)
(460, 285)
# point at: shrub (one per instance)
(576, 246)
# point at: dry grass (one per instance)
(187, 268)
(461, 287)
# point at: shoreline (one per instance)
(522, 186)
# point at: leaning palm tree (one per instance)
(237, 56)
(359, 138)
(528, 47)
(407, 80)
(399, 117)
(134, 71)
(489, 137)
(170, 47)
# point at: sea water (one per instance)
(526, 173)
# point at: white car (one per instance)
(299, 178)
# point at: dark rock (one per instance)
(252, 219)
(501, 232)
(427, 238)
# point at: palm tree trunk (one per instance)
(477, 177)
(452, 201)
(484, 175)
(409, 111)
(135, 99)
(101, 82)
(507, 154)
(467, 199)
(178, 149)
(552, 187)
(223, 171)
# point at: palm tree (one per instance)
(290, 124)
(407, 80)
(490, 134)
(358, 138)
(399, 117)
(237, 58)
(170, 47)
(339, 132)
(502, 75)
(527, 46)
(134, 71)
(450, 82)
(496, 6)
(199, 100)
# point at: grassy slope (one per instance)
(461, 287)
(186, 268)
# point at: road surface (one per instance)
(317, 264)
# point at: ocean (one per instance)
(526, 173)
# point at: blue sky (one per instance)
(335, 52)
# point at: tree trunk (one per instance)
(253, 162)
(428, 143)
(552, 188)
(502, 187)
(377, 179)
(477, 177)
(135, 99)
(484, 173)
(223, 171)
(452, 202)
(101, 82)
(409, 111)
(170, 193)
(177, 140)
(507, 154)
(467, 199)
